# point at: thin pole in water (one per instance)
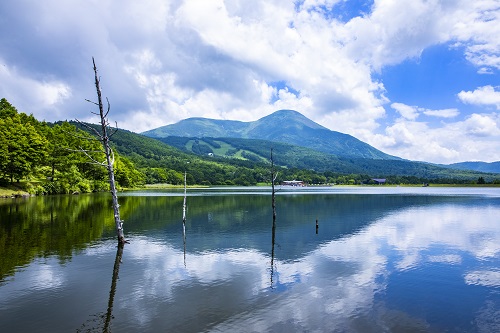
(184, 204)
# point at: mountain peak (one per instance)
(285, 113)
(291, 116)
(287, 126)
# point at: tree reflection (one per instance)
(184, 217)
(116, 269)
(273, 237)
(274, 175)
(51, 225)
(184, 240)
(101, 322)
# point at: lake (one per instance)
(383, 259)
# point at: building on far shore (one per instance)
(374, 181)
(293, 183)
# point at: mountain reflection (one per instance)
(379, 263)
(62, 224)
(340, 280)
(226, 222)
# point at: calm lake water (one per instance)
(382, 260)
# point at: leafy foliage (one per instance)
(51, 155)
(23, 144)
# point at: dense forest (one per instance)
(335, 169)
(49, 158)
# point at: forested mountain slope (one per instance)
(291, 156)
(477, 166)
(284, 126)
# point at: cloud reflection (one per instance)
(483, 278)
(41, 274)
(336, 284)
(343, 284)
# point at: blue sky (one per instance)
(414, 78)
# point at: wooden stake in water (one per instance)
(184, 204)
(274, 175)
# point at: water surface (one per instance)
(382, 259)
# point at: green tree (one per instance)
(25, 148)
(6, 109)
(126, 174)
(71, 180)
(155, 175)
(175, 177)
(4, 151)
(59, 153)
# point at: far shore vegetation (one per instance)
(24, 188)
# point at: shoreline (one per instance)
(12, 191)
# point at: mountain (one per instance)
(296, 157)
(285, 126)
(476, 166)
(246, 161)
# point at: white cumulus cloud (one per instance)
(487, 95)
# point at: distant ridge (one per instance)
(476, 166)
(286, 126)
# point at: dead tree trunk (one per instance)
(274, 175)
(104, 137)
(184, 203)
(109, 157)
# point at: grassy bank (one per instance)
(13, 190)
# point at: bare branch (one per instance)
(96, 132)
(97, 163)
(94, 161)
(109, 107)
(91, 102)
(85, 150)
(113, 132)
(90, 138)
(112, 157)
